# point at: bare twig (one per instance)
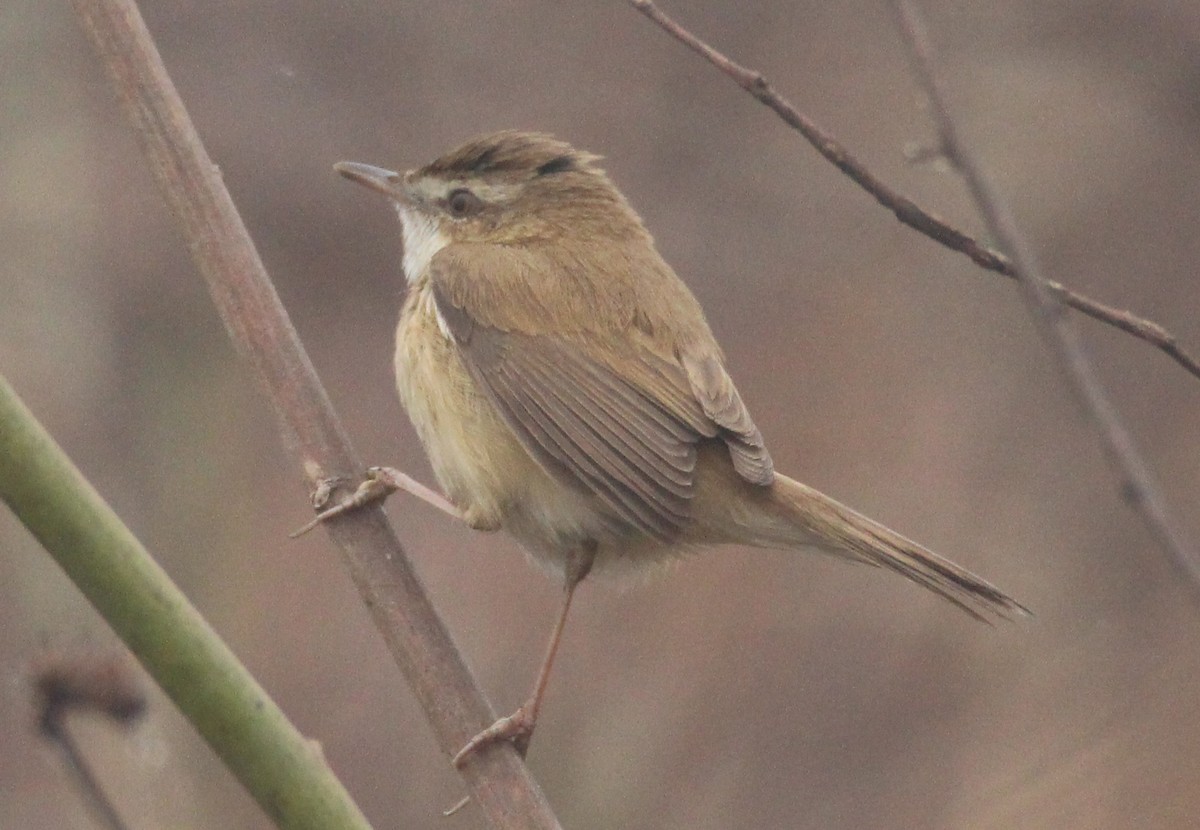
(907, 211)
(55, 730)
(263, 334)
(105, 686)
(1137, 482)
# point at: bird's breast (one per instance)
(469, 446)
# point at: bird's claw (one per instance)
(516, 728)
(377, 486)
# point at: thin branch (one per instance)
(907, 211)
(105, 686)
(263, 334)
(55, 731)
(1137, 482)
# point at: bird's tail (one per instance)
(797, 516)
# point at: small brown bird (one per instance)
(568, 389)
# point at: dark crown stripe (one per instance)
(559, 164)
(482, 162)
(508, 152)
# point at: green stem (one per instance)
(284, 772)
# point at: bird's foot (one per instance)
(516, 728)
(379, 483)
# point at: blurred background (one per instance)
(742, 688)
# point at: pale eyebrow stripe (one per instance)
(436, 189)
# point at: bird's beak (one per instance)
(387, 182)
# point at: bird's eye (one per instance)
(462, 202)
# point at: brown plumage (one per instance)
(567, 386)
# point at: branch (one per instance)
(105, 686)
(1137, 482)
(102, 557)
(907, 211)
(263, 335)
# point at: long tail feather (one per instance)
(810, 518)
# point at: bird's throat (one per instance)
(423, 238)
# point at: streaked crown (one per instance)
(513, 185)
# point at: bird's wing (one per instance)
(604, 413)
(719, 398)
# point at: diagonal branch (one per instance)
(907, 211)
(194, 667)
(1137, 482)
(263, 335)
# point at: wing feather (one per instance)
(719, 399)
(561, 442)
(622, 424)
(620, 442)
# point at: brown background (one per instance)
(742, 689)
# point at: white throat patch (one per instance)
(422, 239)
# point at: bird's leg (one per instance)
(380, 483)
(518, 727)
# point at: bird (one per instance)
(567, 388)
